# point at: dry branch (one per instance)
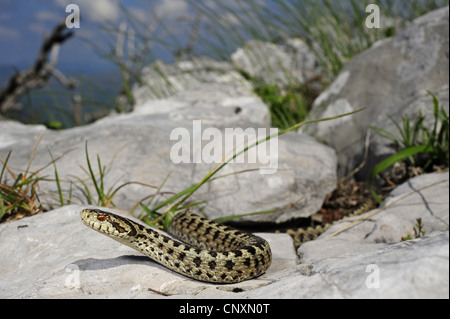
(38, 75)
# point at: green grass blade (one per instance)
(86, 189)
(17, 182)
(5, 163)
(388, 162)
(2, 209)
(192, 189)
(158, 190)
(92, 175)
(58, 184)
(186, 193)
(386, 134)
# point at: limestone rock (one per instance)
(54, 255)
(412, 270)
(161, 80)
(138, 147)
(282, 65)
(390, 78)
(416, 268)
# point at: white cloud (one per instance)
(172, 8)
(47, 16)
(231, 18)
(8, 33)
(95, 10)
(140, 15)
(39, 28)
(86, 33)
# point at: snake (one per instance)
(301, 235)
(205, 250)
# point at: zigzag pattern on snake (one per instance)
(301, 235)
(212, 252)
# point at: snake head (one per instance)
(107, 223)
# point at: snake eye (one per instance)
(101, 218)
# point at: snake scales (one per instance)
(212, 253)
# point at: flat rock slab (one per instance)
(54, 255)
(140, 147)
(415, 269)
(370, 259)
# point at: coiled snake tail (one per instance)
(212, 252)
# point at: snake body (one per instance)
(210, 252)
(301, 235)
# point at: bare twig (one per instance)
(39, 75)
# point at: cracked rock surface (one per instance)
(53, 255)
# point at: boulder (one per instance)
(390, 78)
(144, 147)
(162, 80)
(377, 246)
(292, 63)
(53, 255)
(400, 250)
(417, 269)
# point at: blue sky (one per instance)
(159, 29)
(23, 24)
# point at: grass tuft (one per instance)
(417, 144)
